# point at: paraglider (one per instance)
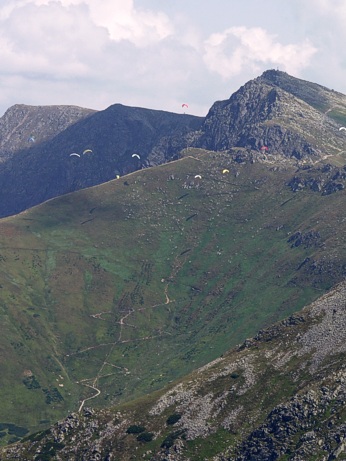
(263, 148)
(31, 138)
(87, 151)
(74, 154)
(342, 128)
(185, 105)
(198, 176)
(224, 171)
(136, 155)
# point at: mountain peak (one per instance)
(295, 118)
(274, 74)
(285, 80)
(314, 94)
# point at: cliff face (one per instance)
(292, 118)
(279, 395)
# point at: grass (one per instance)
(163, 276)
(197, 449)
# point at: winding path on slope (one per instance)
(177, 265)
(94, 384)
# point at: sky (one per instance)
(160, 54)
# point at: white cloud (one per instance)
(124, 22)
(240, 48)
(114, 52)
(49, 41)
(120, 18)
(69, 38)
(159, 54)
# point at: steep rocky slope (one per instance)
(278, 396)
(281, 114)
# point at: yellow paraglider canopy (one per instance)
(225, 171)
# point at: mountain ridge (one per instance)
(264, 113)
(295, 120)
(46, 170)
(23, 126)
(116, 290)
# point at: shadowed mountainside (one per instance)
(46, 169)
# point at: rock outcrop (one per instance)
(23, 127)
(280, 113)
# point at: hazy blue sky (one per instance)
(160, 54)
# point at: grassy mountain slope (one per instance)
(277, 396)
(113, 291)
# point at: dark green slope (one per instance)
(113, 291)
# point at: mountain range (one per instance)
(291, 116)
(136, 295)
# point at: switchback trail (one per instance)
(94, 381)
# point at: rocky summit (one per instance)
(284, 116)
(23, 127)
